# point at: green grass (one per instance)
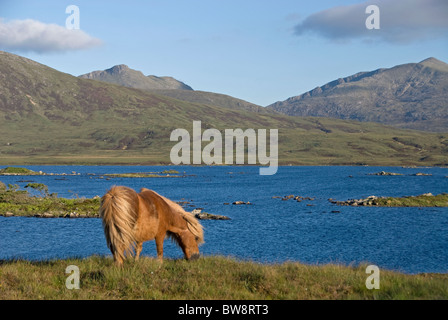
(440, 200)
(22, 203)
(212, 277)
(17, 171)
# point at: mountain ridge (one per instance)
(411, 96)
(123, 75)
(170, 87)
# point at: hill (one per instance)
(413, 95)
(50, 117)
(213, 99)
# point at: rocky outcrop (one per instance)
(240, 202)
(409, 96)
(291, 196)
(384, 173)
(369, 201)
(207, 216)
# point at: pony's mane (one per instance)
(193, 224)
(119, 214)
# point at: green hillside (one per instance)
(49, 117)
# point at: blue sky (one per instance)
(257, 50)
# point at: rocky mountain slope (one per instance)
(125, 76)
(413, 95)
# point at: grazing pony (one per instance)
(130, 218)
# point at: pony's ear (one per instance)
(144, 189)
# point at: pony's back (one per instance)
(119, 211)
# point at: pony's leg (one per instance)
(118, 260)
(159, 245)
(138, 250)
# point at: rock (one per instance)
(47, 215)
(384, 173)
(209, 216)
(429, 194)
(240, 202)
(421, 174)
(195, 211)
(9, 214)
(73, 215)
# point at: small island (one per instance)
(17, 171)
(423, 200)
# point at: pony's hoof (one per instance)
(194, 256)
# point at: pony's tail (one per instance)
(194, 226)
(119, 211)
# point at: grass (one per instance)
(17, 171)
(440, 200)
(212, 277)
(22, 203)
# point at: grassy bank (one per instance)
(210, 277)
(15, 202)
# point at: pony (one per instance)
(130, 218)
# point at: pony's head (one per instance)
(191, 238)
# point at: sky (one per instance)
(257, 50)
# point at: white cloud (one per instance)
(31, 35)
(401, 21)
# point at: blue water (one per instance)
(410, 240)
